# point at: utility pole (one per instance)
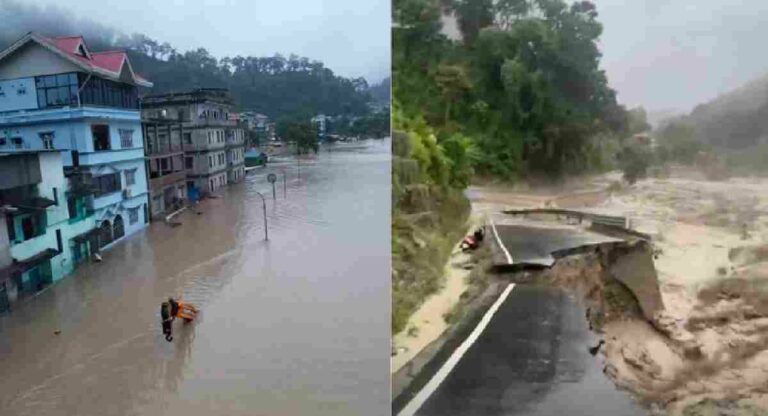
(285, 186)
(264, 205)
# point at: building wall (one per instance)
(5, 245)
(212, 183)
(53, 186)
(71, 130)
(76, 134)
(109, 206)
(18, 94)
(33, 60)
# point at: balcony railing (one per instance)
(164, 150)
(158, 183)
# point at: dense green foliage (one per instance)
(429, 210)
(678, 143)
(523, 86)
(299, 131)
(374, 125)
(274, 86)
(634, 160)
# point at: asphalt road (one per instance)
(531, 359)
(532, 245)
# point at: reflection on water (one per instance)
(295, 325)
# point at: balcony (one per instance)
(110, 156)
(157, 184)
(165, 150)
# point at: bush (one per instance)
(634, 160)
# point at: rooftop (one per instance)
(113, 65)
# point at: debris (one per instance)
(596, 348)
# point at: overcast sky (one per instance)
(352, 37)
(674, 54)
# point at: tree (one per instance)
(637, 121)
(454, 84)
(677, 140)
(634, 160)
(302, 133)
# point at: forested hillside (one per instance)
(275, 85)
(735, 120)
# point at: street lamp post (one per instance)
(264, 205)
(285, 186)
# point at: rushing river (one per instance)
(295, 325)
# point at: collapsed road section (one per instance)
(533, 352)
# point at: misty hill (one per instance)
(735, 120)
(381, 92)
(276, 86)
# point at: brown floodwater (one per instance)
(296, 325)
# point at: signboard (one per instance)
(272, 178)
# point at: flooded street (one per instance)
(295, 325)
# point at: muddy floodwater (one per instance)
(295, 325)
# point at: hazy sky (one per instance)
(352, 37)
(674, 54)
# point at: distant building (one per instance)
(48, 224)
(56, 94)
(260, 124)
(213, 142)
(321, 122)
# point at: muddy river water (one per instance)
(295, 325)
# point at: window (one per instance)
(16, 142)
(47, 138)
(164, 164)
(189, 162)
(130, 177)
(56, 90)
(133, 215)
(210, 135)
(100, 134)
(126, 138)
(107, 184)
(188, 138)
(102, 92)
(55, 196)
(210, 161)
(72, 207)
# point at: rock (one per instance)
(692, 351)
(641, 361)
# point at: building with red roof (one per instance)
(58, 95)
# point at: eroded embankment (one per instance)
(715, 361)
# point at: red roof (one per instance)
(67, 44)
(111, 61)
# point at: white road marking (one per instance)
(498, 240)
(413, 406)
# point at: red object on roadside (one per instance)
(469, 243)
